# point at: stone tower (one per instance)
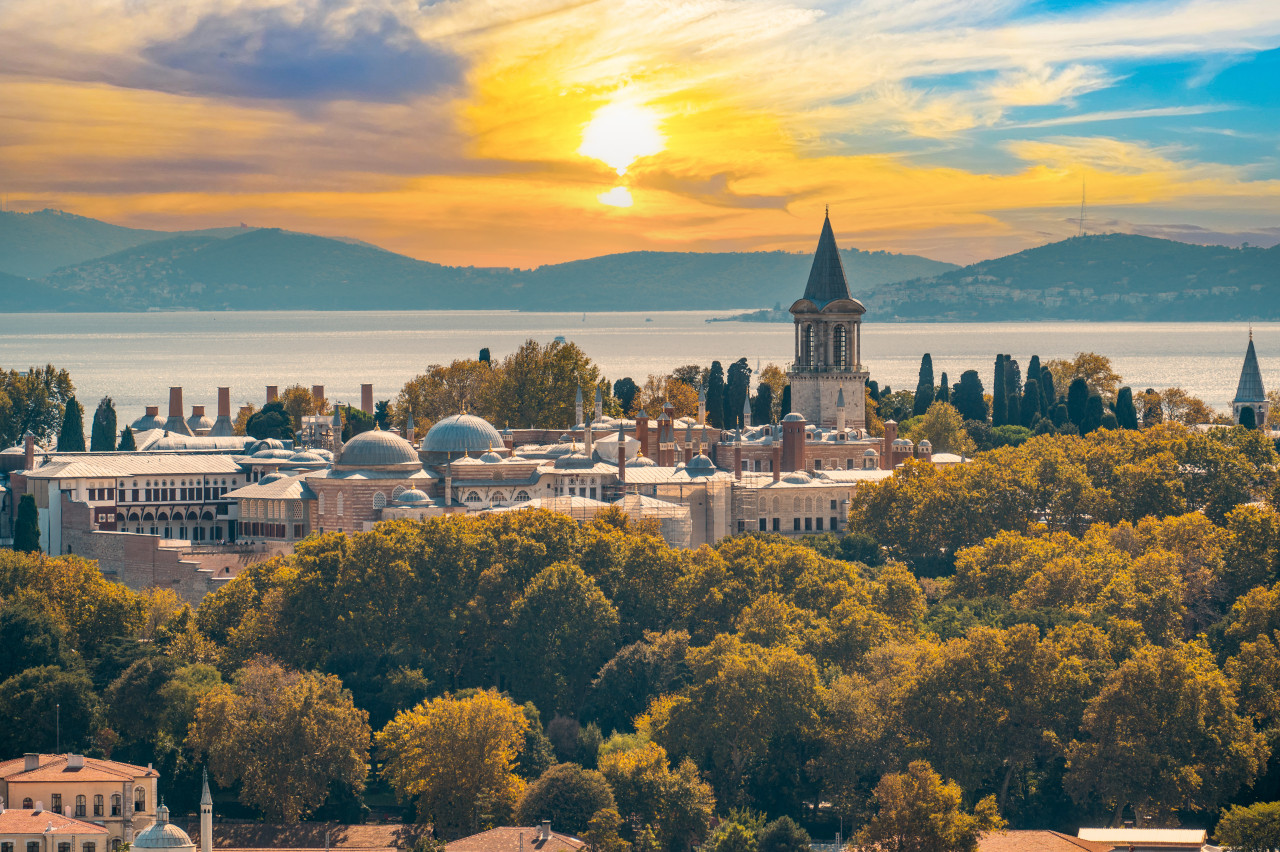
(1250, 392)
(828, 346)
(206, 817)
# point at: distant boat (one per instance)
(560, 339)
(648, 319)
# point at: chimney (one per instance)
(153, 411)
(29, 452)
(75, 761)
(366, 399)
(39, 807)
(317, 395)
(777, 461)
(737, 460)
(223, 427)
(30, 760)
(273, 393)
(890, 435)
(176, 424)
(622, 455)
(793, 442)
(545, 832)
(197, 411)
(642, 431)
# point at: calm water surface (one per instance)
(136, 357)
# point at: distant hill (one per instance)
(1098, 277)
(271, 269)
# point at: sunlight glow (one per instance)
(619, 196)
(621, 133)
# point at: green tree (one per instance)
(127, 444)
(445, 390)
(355, 421)
(300, 402)
(1031, 402)
(46, 708)
(1255, 828)
(1126, 412)
(26, 529)
(455, 756)
(944, 389)
(1093, 414)
(784, 406)
(917, 811)
(762, 406)
(32, 637)
(271, 421)
(625, 390)
(943, 427)
(1078, 402)
(715, 395)
(968, 398)
(286, 737)
(537, 384)
(103, 437)
(71, 436)
(568, 795)
(782, 835)
(35, 402)
(999, 401)
(537, 755)
(382, 414)
(602, 832)
(737, 387)
(1163, 735)
(924, 387)
(678, 804)
(1012, 391)
(484, 355)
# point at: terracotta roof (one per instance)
(1037, 841)
(23, 821)
(515, 839)
(231, 837)
(53, 767)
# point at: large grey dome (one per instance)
(376, 449)
(462, 433)
(162, 834)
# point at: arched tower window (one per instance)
(808, 343)
(841, 346)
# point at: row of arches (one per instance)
(810, 345)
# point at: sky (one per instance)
(488, 133)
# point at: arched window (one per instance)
(522, 497)
(139, 799)
(379, 500)
(808, 504)
(320, 503)
(807, 341)
(473, 497)
(797, 505)
(497, 498)
(397, 491)
(27, 804)
(340, 496)
(841, 346)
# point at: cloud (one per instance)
(1042, 86)
(271, 53)
(1123, 115)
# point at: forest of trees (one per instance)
(1073, 631)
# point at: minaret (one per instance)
(206, 817)
(840, 411)
(336, 429)
(746, 412)
(622, 455)
(599, 404)
(688, 442)
(702, 406)
(408, 426)
(577, 408)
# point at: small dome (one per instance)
(377, 449)
(902, 443)
(700, 465)
(272, 477)
(413, 495)
(869, 453)
(797, 477)
(273, 455)
(307, 457)
(201, 422)
(491, 458)
(793, 417)
(461, 433)
(642, 461)
(926, 445)
(162, 834)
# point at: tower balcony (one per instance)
(851, 369)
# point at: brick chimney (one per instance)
(886, 451)
(223, 427)
(273, 393)
(366, 399)
(642, 431)
(175, 424)
(777, 461)
(793, 442)
(622, 455)
(737, 460)
(317, 394)
(29, 452)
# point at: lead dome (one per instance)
(462, 433)
(378, 449)
(162, 834)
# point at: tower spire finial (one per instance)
(828, 210)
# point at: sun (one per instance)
(620, 133)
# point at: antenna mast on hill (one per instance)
(1080, 232)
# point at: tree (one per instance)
(1178, 405)
(1163, 735)
(127, 443)
(1031, 402)
(241, 424)
(484, 355)
(562, 630)
(679, 804)
(737, 387)
(47, 707)
(1077, 402)
(1048, 389)
(1126, 412)
(1250, 829)
(762, 406)
(299, 402)
(917, 811)
(999, 402)
(773, 376)
(944, 389)
(568, 795)
(355, 421)
(657, 391)
(784, 405)
(103, 437)
(34, 402)
(71, 437)
(602, 832)
(273, 421)
(782, 835)
(32, 637)
(625, 390)
(455, 755)
(443, 391)
(285, 737)
(924, 387)
(715, 395)
(943, 427)
(538, 384)
(1012, 391)
(382, 414)
(1247, 418)
(968, 398)
(1093, 414)
(1095, 369)
(26, 529)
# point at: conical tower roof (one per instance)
(827, 281)
(1250, 388)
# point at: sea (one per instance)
(136, 357)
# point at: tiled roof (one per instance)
(120, 465)
(289, 488)
(827, 281)
(311, 835)
(664, 475)
(54, 767)
(372, 474)
(507, 839)
(1169, 838)
(22, 821)
(1250, 388)
(1037, 841)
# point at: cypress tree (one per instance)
(715, 395)
(1093, 411)
(1077, 401)
(1151, 411)
(1031, 402)
(873, 388)
(944, 390)
(484, 355)
(784, 408)
(1126, 412)
(968, 397)
(127, 444)
(735, 393)
(71, 437)
(1033, 371)
(762, 406)
(1247, 418)
(26, 529)
(1109, 420)
(999, 403)
(103, 438)
(1058, 414)
(924, 387)
(1012, 391)
(1048, 393)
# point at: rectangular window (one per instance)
(808, 524)
(97, 805)
(817, 464)
(134, 497)
(33, 846)
(56, 803)
(764, 526)
(835, 523)
(593, 494)
(757, 465)
(833, 505)
(89, 847)
(848, 464)
(795, 524)
(819, 523)
(777, 524)
(147, 491)
(746, 465)
(742, 526)
(6, 847)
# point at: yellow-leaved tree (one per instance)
(456, 755)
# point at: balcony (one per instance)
(847, 370)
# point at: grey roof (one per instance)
(118, 465)
(413, 495)
(400, 475)
(462, 433)
(827, 281)
(155, 442)
(162, 834)
(376, 448)
(275, 487)
(222, 427)
(1250, 388)
(840, 398)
